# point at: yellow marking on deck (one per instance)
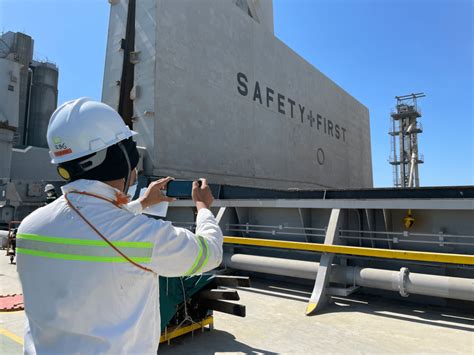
(460, 259)
(187, 329)
(12, 336)
(310, 307)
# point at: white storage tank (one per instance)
(18, 47)
(9, 106)
(42, 102)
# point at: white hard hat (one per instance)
(48, 187)
(83, 126)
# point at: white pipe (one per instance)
(267, 265)
(412, 169)
(401, 281)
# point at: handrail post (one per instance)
(319, 297)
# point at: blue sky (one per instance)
(374, 49)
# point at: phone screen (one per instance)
(179, 188)
(183, 189)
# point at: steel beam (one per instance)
(219, 294)
(393, 204)
(230, 281)
(225, 307)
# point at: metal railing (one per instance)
(440, 239)
(392, 238)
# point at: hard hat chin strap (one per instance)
(129, 169)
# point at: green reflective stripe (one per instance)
(103, 259)
(89, 250)
(75, 241)
(83, 249)
(206, 246)
(202, 257)
(193, 268)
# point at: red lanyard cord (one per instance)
(97, 231)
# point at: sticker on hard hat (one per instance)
(64, 173)
(60, 153)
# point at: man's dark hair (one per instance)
(113, 167)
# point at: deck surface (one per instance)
(276, 323)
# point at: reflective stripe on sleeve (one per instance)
(201, 259)
(82, 249)
(206, 248)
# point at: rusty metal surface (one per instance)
(10, 303)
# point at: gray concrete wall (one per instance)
(33, 163)
(199, 113)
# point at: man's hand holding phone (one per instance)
(199, 191)
(201, 194)
(154, 195)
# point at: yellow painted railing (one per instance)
(462, 259)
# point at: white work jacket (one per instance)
(80, 295)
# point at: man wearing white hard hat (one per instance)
(50, 192)
(88, 262)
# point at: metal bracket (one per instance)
(305, 219)
(341, 291)
(134, 92)
(243, 218)
(319, 297)
(402, 281)
(134, 57)
(441, 238)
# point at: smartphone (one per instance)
(183, 189)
